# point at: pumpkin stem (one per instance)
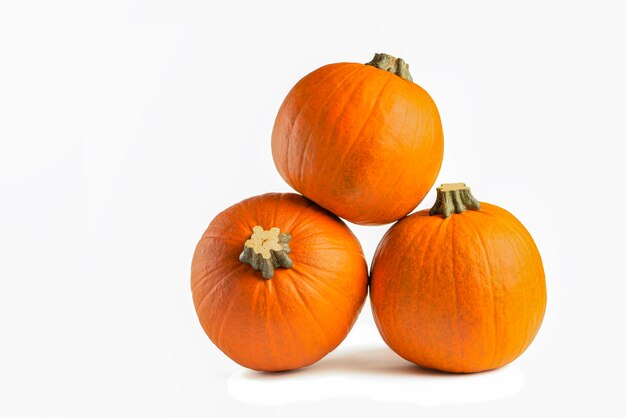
(453, 198)
(394, 65)
(266, 250)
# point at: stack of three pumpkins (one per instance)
(278, 280)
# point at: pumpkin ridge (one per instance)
(303, 106)
(268, 294)
(295, 228)
(312, 289)
(306, 238)
(308, 310)
(434, 129)
(318, 281)
(329, 248)
(217, 238)
(483, 248)
(317, 266)
(356, 138)
(506, 225)
(441, 235)
(394, 203)
(207, 274)
(284, 322)
(428, 243)
(289, 102)
(436, 167)
(256, 303)
(417, 235)
(279, 199)
(297, 117)
(339, 68)
(234, 219)
(217, 285)
(458, 333)
(224, 318)
(518, 229)
(317, 120)
(332, 137)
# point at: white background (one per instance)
(126, 126)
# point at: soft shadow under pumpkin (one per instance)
(376, 361)
(375, 373)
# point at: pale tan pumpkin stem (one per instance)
(392, 64)
(267, 250)
(453, 198)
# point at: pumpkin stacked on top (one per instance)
(278, 280)
(362, 141)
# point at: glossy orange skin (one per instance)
(462, 294)
(361, 142)
(298, 316)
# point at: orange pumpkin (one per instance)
(277, 282)
(363, 141)
(460, 293)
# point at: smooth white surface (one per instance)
(373, 371)
(125, 127)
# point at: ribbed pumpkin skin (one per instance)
(462, 294)
(299, 315)
(359, 141)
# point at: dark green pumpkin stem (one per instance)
(394, 65)
(267, 250)
(453, 198)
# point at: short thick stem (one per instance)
(267, 250)
(392, 64)
(453, 198)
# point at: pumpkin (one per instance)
(361, 140)
(277, 281)
(455, 289)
